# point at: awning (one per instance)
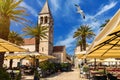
(6, 46)
(29, 56)
(107, 43)
(93, 60)
(80, 56)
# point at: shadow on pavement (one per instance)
(58, 73)
(53, 75)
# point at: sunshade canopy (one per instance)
(93, 60)
(107, 43)
(6, 46)
(80, 56)
(29, 56)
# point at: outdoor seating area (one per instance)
(101, 72)
(103, 55)
(59, 40)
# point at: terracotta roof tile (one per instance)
(29, 41)
(58, 48)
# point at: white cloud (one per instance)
(68, 40)
(70, 6)
(106, 8)
(92, 20)
(55, 4)
(38, 1)
(31, 10)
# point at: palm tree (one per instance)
(39, 32)
(9, 11)
(79, 43)
(84, 32)
(15, 38)
(103, 25)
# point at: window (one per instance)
(41, 20)
(42, 49)
(46, 19)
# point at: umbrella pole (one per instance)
(94, 63)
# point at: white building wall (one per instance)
(77, 51)
(29, 47)
(15, 62)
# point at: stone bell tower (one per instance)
(45, 19)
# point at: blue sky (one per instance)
(66, 18)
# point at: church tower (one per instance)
(45, 19)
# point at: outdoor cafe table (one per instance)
(94, 73)
(13, 73)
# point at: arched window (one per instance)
(41, 20)
(42, 49)
(46, 19)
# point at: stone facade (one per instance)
(60, 53)
(46, 45)
(76, 60)
(45, 19)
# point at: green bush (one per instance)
(18, 76)
(44, 65)
(85, 68)
(64, 65)
(4, 75)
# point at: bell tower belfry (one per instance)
(45, 19)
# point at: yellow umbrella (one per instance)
(80, 56)
(42, 56)
(106, 44)
(29, 56)
(14, 56)
(93, 60)
(6, 46)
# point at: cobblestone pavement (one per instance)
(72, 75)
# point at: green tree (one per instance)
(39, 32)
(79, 43)
(9, 11)
(15, 38)
(84, 32)
(103, 25)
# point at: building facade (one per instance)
(78, 51)
(46, 45)
(45, 19)
(60, 53)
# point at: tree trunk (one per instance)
(4, 27)
(37, 44)
(11, 61)
(84, 43)
(4, 32)
(1, 59)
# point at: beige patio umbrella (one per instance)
(107, 43)
(14, 56)
(80, 56)
(29, 56)
(6, 46)
(97, 60)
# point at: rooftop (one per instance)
(58, 48)
(29, 41)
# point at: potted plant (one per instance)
(36, 75)
(86, 70)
